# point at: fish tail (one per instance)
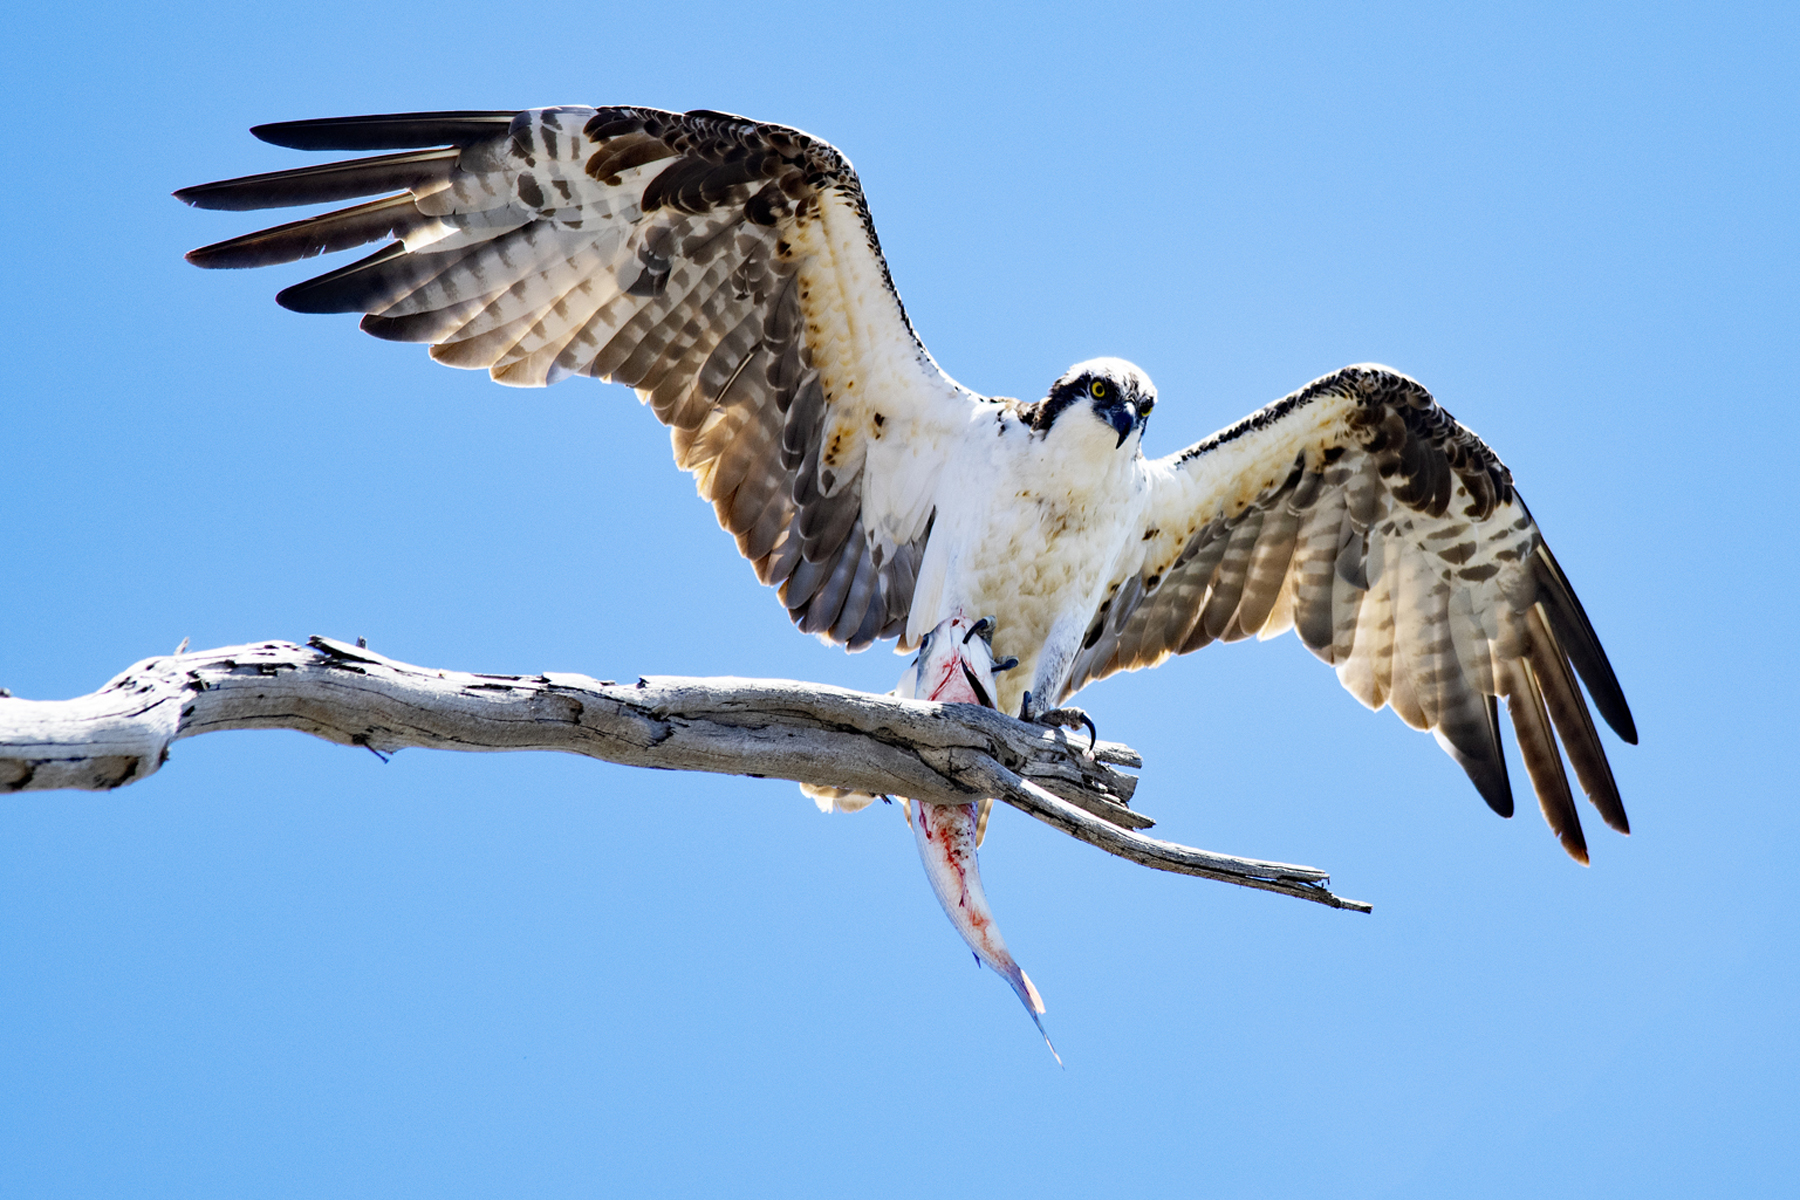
(945, 836)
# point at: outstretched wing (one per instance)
(1389, 537)
(727, 270)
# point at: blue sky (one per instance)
(283, 968)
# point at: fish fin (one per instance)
(1033, 1001)
(1034, 1004)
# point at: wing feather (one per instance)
(1574, 726)
(393, 217)
(726, 269)
(1267, 573)
(1391, 539)
(1537, 746)
(1314, 568)
(1368, 671)
(1219, 616)
(327, 184)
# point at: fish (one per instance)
(956, 666)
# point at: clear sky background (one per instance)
(282, 968)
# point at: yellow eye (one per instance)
(1097, 389)
(1144, 406)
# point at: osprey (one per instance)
(729, 271)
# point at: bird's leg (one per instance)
(1070, 717)
(1067, 717)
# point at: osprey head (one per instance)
(1108, 390)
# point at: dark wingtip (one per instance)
(1496, 789)
(1618, 715)
(1482, 759)
(276, 133)
(1576, 633)
(299, 298)
(389, 131)
(324, 183)
(335, 291)
(217, 196)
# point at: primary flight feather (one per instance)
(729, 271)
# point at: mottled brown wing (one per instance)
(725, 269)
(1390, 538)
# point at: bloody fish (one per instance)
(956, 665)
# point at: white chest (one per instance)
(1031, 528)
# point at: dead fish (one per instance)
(956, 665)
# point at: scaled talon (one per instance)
(1066, 717)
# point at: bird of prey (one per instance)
(729, 271)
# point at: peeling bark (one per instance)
(809, 733)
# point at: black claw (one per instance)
(1006, 664)
(1069, 718)
(985, 627)
(1082, 719)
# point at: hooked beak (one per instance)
(1124, 419)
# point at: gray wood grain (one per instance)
(768, 728)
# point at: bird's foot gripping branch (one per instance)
(810, 733)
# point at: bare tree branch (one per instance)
(811, 733)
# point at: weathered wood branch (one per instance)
(810, 733)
